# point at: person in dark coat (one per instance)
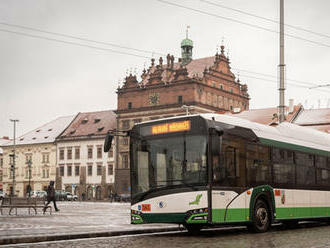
(51, 196)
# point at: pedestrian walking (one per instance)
(51, 196)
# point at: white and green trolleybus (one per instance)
(210, 169)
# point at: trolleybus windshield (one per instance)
(168, 161)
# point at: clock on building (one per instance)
(154, 98)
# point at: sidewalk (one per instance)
(75, 220)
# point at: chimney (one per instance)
(291, 106)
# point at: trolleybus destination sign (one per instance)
(171, 127)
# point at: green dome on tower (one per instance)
(186, 42)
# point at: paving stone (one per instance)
(73, 218)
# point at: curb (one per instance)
(45, 238)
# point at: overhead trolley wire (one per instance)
(78, 38)
(269, 75)
(264, 18)
(73, 43)
(132, 54)
(241, 22)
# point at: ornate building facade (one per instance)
(175, 88)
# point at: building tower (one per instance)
(186, 49)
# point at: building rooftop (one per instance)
(168, 71)
(195, 69)
(44, 134)
(90, 124)
(3, 141)
(267, 116)
(318, 119)
(313, 117)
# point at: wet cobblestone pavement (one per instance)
(74, 217)
(311, 236)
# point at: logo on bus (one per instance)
(197, 200)
(161, 204)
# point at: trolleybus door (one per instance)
(214, 160)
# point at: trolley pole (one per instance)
(281, 66)
(14, 157)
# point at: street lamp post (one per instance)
(14, 158)
(29, 166)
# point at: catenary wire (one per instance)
(73, 43)
(78, 38)
(243, 23)
(141, 56)
(272, 76)
(130, 48)
(265, 18)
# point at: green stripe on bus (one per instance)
(302, 212)
(164, 218)
(232, 215)
(280, 144)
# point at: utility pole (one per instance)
(281, 66)
(29, 165)
(14, 157)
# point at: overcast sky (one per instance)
(44, 79)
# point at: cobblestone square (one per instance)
(74, 217)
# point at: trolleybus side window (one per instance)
(258, 164)
(283, 167)
(305, 170)
(322, 170)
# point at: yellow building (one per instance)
(39, 147)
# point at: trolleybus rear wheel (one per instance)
(261, 217)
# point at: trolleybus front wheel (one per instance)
(261, 217)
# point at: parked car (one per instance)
(71, 197)
(37, 194)
(60, 195)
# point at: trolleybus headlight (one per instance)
(200, 217)
(197, 211)
(136, 212)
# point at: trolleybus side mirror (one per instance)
(107, 142)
